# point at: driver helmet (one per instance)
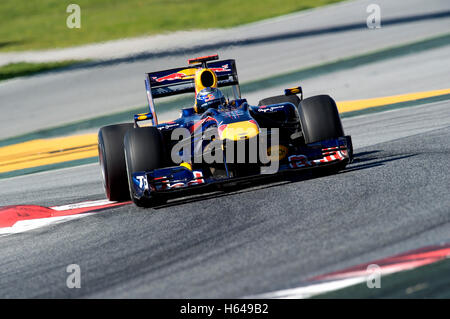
(209, 98)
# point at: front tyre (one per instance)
(319, 118)
(320, 121)
(143, 152)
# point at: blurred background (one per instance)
(41, 24)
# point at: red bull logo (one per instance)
(187, 74)
(180, 75)
(171, 77)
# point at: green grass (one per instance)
(22, 68)
(40, 24)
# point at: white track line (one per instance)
(31, 224)
(351, 279)
(311, 290)
(92, 203)
(27, 225)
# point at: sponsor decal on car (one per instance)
(180, 75)
(167, 126)
(332, 154)
(142, 180)
(165, 184)
(224, 68)
(266, 109)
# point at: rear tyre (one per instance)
(112, 161)
(143, 152)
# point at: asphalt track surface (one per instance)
(260, 237)
(261, 50)
(252, 240)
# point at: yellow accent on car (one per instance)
(240, 131)
(204, 78)
(142, 117)
(187, 165)
(189, 73)
(277, 152)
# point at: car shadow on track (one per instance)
(238, 188)
(370, 161)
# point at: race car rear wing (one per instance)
(181, 80)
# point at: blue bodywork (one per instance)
(297, 157)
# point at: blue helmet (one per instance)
(209, 97)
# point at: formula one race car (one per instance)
(218, 140)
